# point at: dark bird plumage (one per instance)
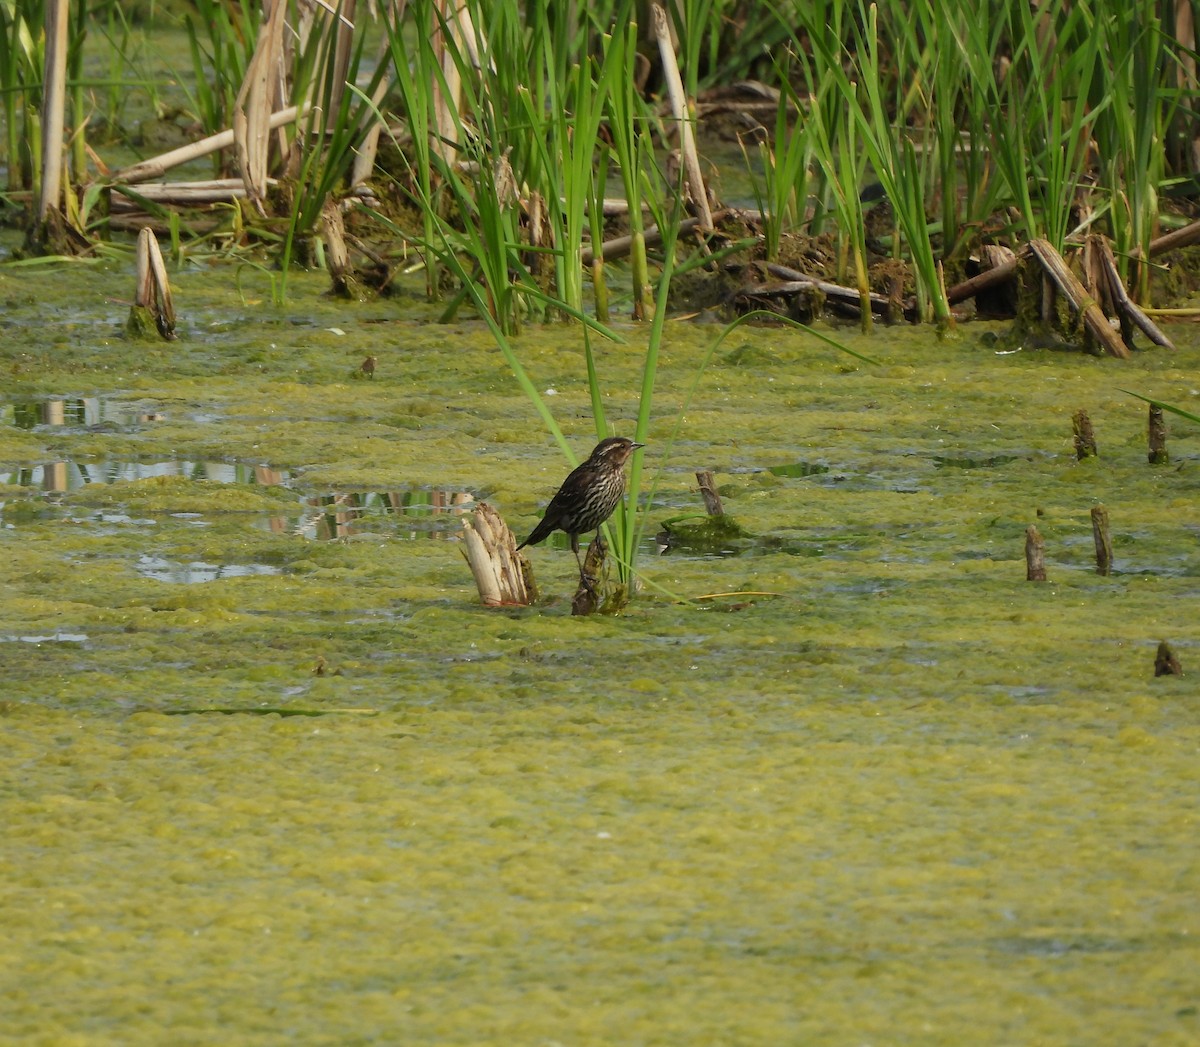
(588, 496)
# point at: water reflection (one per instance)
(401, 513)
(164, 570)
(432, 514)
(59, 637)
(59, 477)
(798, 469)
(81, 412)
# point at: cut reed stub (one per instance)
(1104, 552)
(1085, 435)
(587, 596)
(708, 491)
(1059, 278)
(502, 576)
(1035, 555)
(152, 311)
(1158, 436)
(337, 255)
(1165, 662)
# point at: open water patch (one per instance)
(798, 469)
(41, 638)
(165, 570)
(964, 461)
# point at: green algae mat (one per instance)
(272, 775)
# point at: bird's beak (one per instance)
(636, 446)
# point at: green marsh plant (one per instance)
(831, 128)
(221, 39)
(335, 125)
(1136, 104)
(785, 162)
(1041, 120)
(899, 166)
(21, 57)
(633, 153)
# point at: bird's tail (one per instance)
(541, 531)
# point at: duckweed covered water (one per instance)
(910, 798)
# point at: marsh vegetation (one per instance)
(840, 772)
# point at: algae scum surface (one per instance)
(272, 775)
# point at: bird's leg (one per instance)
(583, 578)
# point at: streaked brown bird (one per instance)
(588, 496)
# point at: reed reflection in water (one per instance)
(345, 514)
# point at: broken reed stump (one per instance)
(708, 491)
(996, 271)
(1085, 436)
(1094, 321)
(1165, 662)
(587, 596)
(1158, 436)
(337, 254)
(1001, 299)
(502, 575)
(1104, 552)
(152, 311)
(1035, 555)
(1111, 288)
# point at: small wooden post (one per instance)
(1035, 555)
(1104, 553)
(708, 490)
(1165, 662)
(1085, 436)
(1158, 436)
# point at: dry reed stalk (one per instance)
(252, 110)
(693, 177)
(1185, 57)
(54, 100)
(1104, 550)
(157, 166)
(1083, 303)
(708, 491)
(995, 276)
(1085, 435)
(453, 17)
(1035, 555)
(1157, 435)
(364, 156)
(152, 302)
(1129, 312)
(337, 255)
(619, 246)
